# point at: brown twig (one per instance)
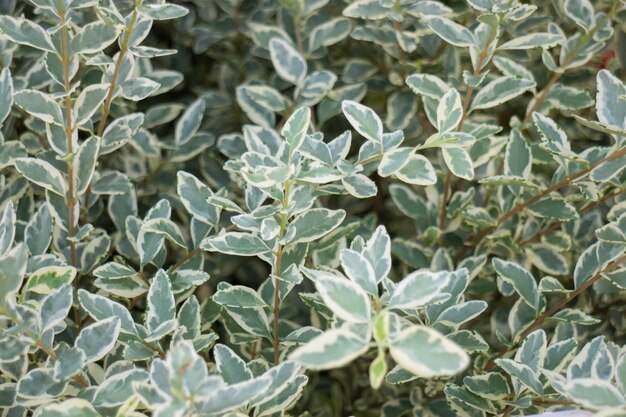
(277, 270)
(71, 200)
(536, 324)
(554, 226)
(79, 379)
(443, 211)
(518, 208)
(110, 94)
(187, 257)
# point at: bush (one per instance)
(428, 198)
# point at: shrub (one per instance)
(312, 208)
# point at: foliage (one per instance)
(312, 207)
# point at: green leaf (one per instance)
(345, 298)
(7, 228)
(98, 339)
(266, 96)
(547, 259)
(359, 270)
(50, 278)
(418, 289)
(517, 157)
(332, 349)
(39, 383)
(456, 315)
(491, 385)
(296, 127)
(139, 88)
(418, 170)
(329, 33)
(232, 396)
(85, 162)
(88, 102)
(533, 40)
(581, 12)
(93, 37)
(554, 137)
(101, 308)
(378, 253)
(39, 105)
(314, 224)
(12, 269)
(610, 106)
(449, 111)
(377, 371)
(426, 353)
(586, 266)
(74, 407)
(449, 31)
(162, 11)
(359, 186)
(554, 208)
(523, 282)
(55, 307)
(238, 296)
(569, 98)
(501, 90)
(42, 173)
(316, 86)
(288, 63)
(620, 373)
(194, 195)
(522, 373)
(6, 94)
(363, 120)
(427, 85)
(236, 243)
(189, 122)
(230, 366)
(393, 161)
(167, 228)
(161, 306)
(26, 32)
(595, 394)
(459, 162)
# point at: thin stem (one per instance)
(443, 211)
(277, 270)
(568, 60)
(398, 28)
(548, 87)
(110, 94)
(298, 34)
(554, 226)
(536, 324)
(518, 208)
(71, 198)
(187, 257)
(38, 342)
(116, 72)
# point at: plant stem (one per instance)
(556, 225)
(110, 94)
(79, 379)
(536, 324)
(518, 208)
(443, 211)
(187, 257)
(547, 88)
(277, 270)
(568, 60)
(71, 198)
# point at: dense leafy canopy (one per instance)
(312, 207)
